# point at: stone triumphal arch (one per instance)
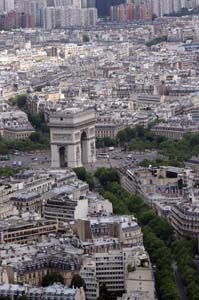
(72, 134)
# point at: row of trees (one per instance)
(160, 162)
(105, 142)
(158, 234)
(35, 142)
(183, 251)
(159, 239)
(161, 256)
(8, 172)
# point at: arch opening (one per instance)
(62, 157)
(84, 148)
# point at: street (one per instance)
(115, 159)
(27, 160)
(120, 159)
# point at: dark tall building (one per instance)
(103, 6)
(14, 19)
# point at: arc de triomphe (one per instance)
(72, 135)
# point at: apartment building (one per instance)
(68, 16)
(144, 101)
(31, 268)
(102, 268)
(125, 228)
(101, 245)
(64, 209)
(108, 130)
(150, 181)
(175, 130)
(15, 125)
(127, 270)
(16, 230)
(28, 202)
(110, 270)
(88, 272)
(33, 271)
(185, 219)
(55, 291)
(29, 263)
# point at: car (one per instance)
(17, 153)
(115, 157)
(19, 163)
(34, 159)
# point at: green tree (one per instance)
(81, 173)
(90, 181)
(99, 143)
(38, 122)
(52, 278)
(105, 175)
(3, 148)
(35, 137)
(119, 206)
(77, 281)
(122, 137)
(21, 100)
(8, 172)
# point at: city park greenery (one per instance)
(160, 240)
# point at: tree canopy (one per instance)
(19, 100)
(83, 175)
(51, 278)
(105, 175)
(77, 281)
